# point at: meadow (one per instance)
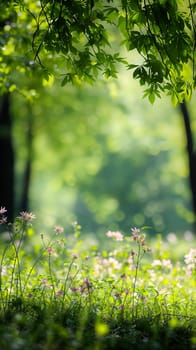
(60, 291)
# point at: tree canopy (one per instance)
(81, 40)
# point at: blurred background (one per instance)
(101, 155)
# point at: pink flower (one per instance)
(190, 257)
(190, 260)
(50, 250)
(26, 216)
(87, 283)
(135, 238)
(115, 234)
(163, 263)
(112, 262)
(188, 236)
(167, 263)
(156, 262)
(85, 286)
(45, 282)
(3, 210)
(135, 230)
(118, 295)
(58, 229)
(59, 292)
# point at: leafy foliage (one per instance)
(81, 40)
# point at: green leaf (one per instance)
(151, 97)
(131, 66)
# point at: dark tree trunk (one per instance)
(7, 157)
(28, 166)
(191, 154)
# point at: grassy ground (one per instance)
(61, 293)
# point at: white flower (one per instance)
(3, 210)
(26, 216)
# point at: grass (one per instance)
(60, 293)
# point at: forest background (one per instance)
(101, 154)
(104, 156)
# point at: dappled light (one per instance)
(98, 175)
(105, 159)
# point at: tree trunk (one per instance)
(191, 154)
(28, 166)
(7, 158)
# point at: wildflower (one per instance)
(115, 234)
(143, 298)
(73, 289)
(190, 257)
(130, 260)
(75, 256)
(87, 283)
(59, 242)
(190, 260)
(26, 216)
(44, 282)
(135, 238)
(114, 263)
(118, 295)
(3, 210)
(133, 253)
(109, 234)
(50, 250)
(135, 231)
(85, 286)
(29, 295)
(156, 262)
(59, 292)
(149, 250)
(167, 263)
(58, 229)
(171, 237)
(164, 263)
(3, 220)
(188, 235)
(189, 269)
